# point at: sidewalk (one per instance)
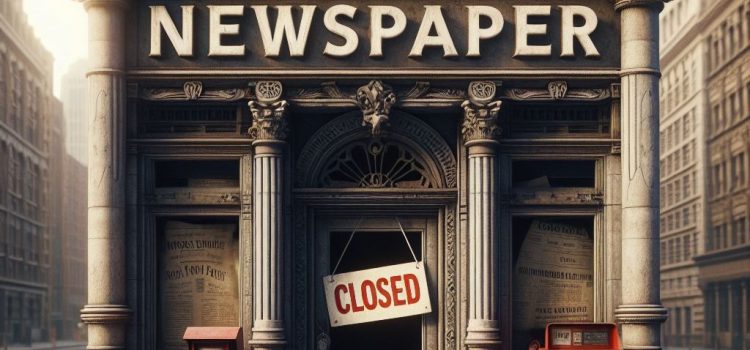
(61, 345)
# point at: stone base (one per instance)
(483, 334)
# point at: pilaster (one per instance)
(269, 132)
(106, 312)
(641, 313)
(480, 130)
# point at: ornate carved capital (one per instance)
(480, 112)
(375, 99)
(269, 112)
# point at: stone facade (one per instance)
(467, 159)
(683, 175)
(704, 173)
(27, 126)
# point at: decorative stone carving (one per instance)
(375, 99)
(333, 136)
(193, 89)
(480, 114)
(423, 90)
(327, 90)
(269, 113)
(557, 89)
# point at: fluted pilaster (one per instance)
(479, 130)
(106, 312)
(641, 313)
(269, 132)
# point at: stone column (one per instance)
(641, 313)
(269, 133)
(479, 130)
(106, 312)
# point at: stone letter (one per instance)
(582, 33)
(297, 41)
(476, 33)
(215, 48)
(433, 17)
(378, 33)
(524, 29)
(352, 40)
(183, 43)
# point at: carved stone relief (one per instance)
(375, 99)
(269, 112)
(332, 137)
(555, 91)
(480, 112)
(195, 91)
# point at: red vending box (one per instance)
(213, 338)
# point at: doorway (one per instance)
(378, 242)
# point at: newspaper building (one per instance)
(241, 154)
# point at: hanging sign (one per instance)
(377, 294)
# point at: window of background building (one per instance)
(685, 216)
(686, 247)
(723, 309)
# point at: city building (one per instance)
(244, 159)
(73, 95)
(73, 248)
(26, 132)
(724, 266)
(682, 141)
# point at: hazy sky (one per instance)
(62, 26)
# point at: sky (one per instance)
(62, 27)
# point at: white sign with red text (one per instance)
(377, 294)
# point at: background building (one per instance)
(705, 139)
(682, 149)
(725, 265)
(42, 192)
(25, 135)
(73, 95)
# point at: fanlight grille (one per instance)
(376, 164)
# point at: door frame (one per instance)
(312, 205)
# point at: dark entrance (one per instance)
(369, 250)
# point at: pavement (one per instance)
(60, 345)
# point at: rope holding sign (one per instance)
(351, 236)
(407, 241)
(346, 247)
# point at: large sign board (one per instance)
(377, 294)
(386, 34)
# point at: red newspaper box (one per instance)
(213, 338)
(577, 335)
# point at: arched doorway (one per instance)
(346, 179)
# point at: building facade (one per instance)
(682, 139)
(240, 155)
(725, 264)
(26, 119)
(73, 95)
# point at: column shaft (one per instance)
(269, 131)
(106, 312)
(641, 312)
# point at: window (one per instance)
(686, 186)
(685, 216)
(685, 248)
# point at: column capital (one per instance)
(657, 4)
(375, 100)
(123, 4)
(480, 114)
(269, 113)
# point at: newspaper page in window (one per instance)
(198, 279)
(553, 277)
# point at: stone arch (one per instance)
(420, 147)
